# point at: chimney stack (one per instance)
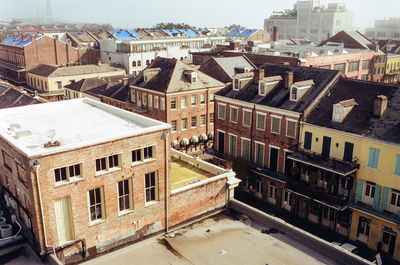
(288, 79)
(258, 75)
(275, 34)
(124, 81)
(380, 105)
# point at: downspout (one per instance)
(166, 146)
(36, 167)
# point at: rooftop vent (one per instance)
(149, 73)
(342, 109)
(51, 143)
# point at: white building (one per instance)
(309, 19)
(135, 54)
(385, 29)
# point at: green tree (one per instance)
(170, 25)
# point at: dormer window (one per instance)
(236, 84)
(194, 77)
(261, 89)
(149, 73)
(293, 94)
(342, 109)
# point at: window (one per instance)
(221, 111)
(353, 66)
(133, 96)
(365, 65)
(193, 100)
(232, 145)
(193, 122)
(144, 99)
(156, 102)
(202, 119)
(174, 126)
(139, 63)
(272, 190)
(96, 204)
(236, 84)
(7, 161)
(290, 128)
(184, 124)
(260, 121)
(143, 154)
(151, 188)
(246, 117)
(173, 103)
(59, 84)
(340, 67)
(259, 154)
(211, 118)
(395, 198)
(275, 125)
(64, 174)
(363, 226)
(105, 164)
(245, 149)
(125, 195)
(211, 97)
(133, 63)
(261, 89)
(150, 101)
(234, 114)
(183, 102)
(397, 166)
(293, 92)
(373, 158)
(307, 140)
(203, 98)
(370, 189)
(162, 103)
(258, 188)
(147, 62)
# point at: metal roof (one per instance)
(241, 33)
(18, 41)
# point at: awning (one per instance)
(203, 137)
(175, 143)
(211, 135)
(194, 139)
(185, 142)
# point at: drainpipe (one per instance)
(36, 167)
(166, 145)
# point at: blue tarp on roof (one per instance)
(190, 32)
(18, 42)
(122, 34)
(241, 33)
(204, 30)
(134, 33)
(187, 32)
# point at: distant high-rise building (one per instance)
(49, 16)
(309, 19)
(385, 29)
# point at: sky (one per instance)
(202, 13)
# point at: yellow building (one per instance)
(353, 133)
(49, 81)
(392, 70)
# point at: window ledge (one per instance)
(125, 212)
(71, 180)
(150, 203)
(97, 222)
(137, 163)
(104, 172)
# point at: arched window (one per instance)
(139, 63)
(181, 58)
(134, 64)
(147, 62)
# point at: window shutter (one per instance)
(359, 189)
(376, 197)
(397, 166)
(385, 197)
(376, 158)
(371, 157)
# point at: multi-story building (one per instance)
(258, 118)
(135, 50)
(49, 81)
(346, 171)
(385, 29)
(20, 53)
(176, 93)
(83, 186)
(392, 70)
(310, 20)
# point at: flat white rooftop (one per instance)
(73, 124)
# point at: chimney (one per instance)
(275, 34)
(56, 37)
(124, 81)
(258, 75)
(380, 104)
(288, 79)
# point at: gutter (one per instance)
(165, 136)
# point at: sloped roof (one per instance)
(17, 40)
(361, 120)
(171, 77)
(279, 96)
(10, 97)
(91, 83)
(54, 71)
(241, 33)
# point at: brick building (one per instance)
(176, 93)
(258, 119)
(84, 186)
(20, 53)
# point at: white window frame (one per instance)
(186, 121)
(193, 103)
(68, 179)
(150, 101)
(257, 125)
(129, 195)
(230, 114)
(184, 102)
(176, 126)
(102, 205)
(176, 103)
(295, 126)
(272, 122)
(156, 199)
(142, 159)
(232, 153)
(242, 149)
(218, 111)
(107, 163)
(156, 102)
(255, 153)
(202, 98)
(243, 121)
(203, 119)
(162, 103)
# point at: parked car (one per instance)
(347, 246)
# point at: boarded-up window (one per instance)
(8, 161)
